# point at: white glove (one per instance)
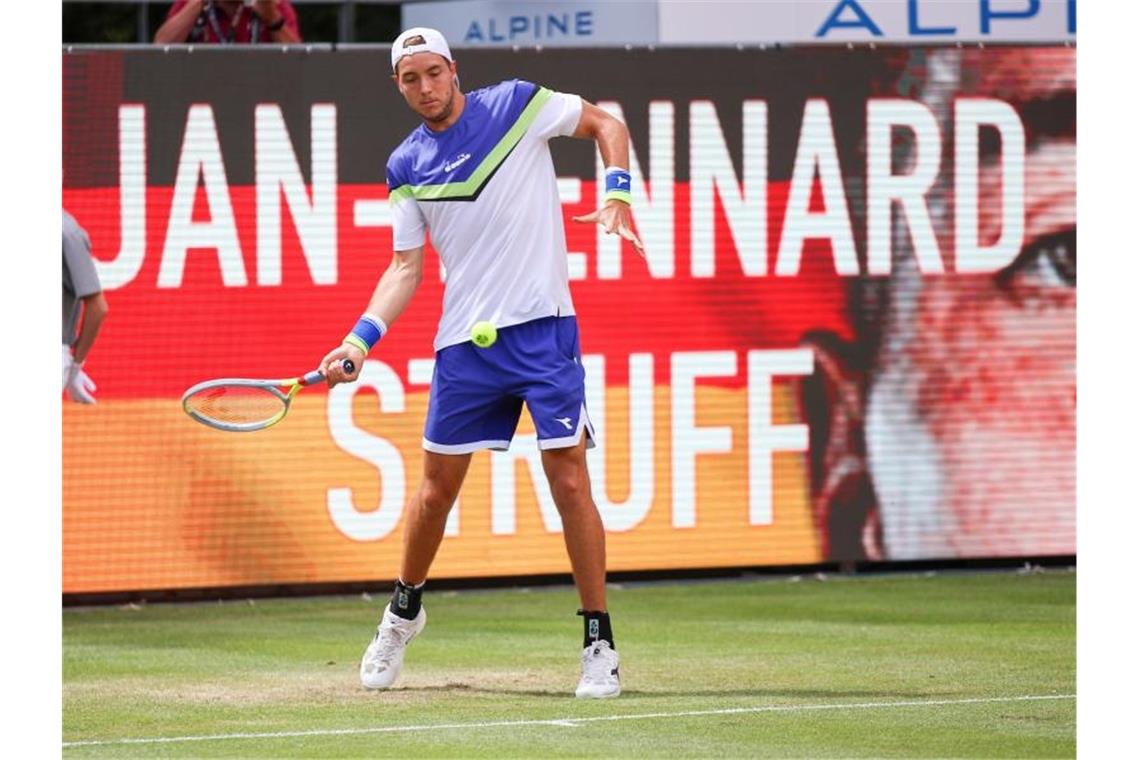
(78, 385)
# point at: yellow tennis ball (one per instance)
(484, 334)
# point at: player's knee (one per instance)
(570, 489)
(435, 498)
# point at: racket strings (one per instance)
(236, 405)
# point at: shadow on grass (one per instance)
(819, 694)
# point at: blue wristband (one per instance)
(367, 332)
(618, 186)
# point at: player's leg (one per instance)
(556, 396)
(466, 413)
(404, 617)
(427, 513)
(581, 525)
(585, 538)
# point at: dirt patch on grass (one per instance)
(331, 687)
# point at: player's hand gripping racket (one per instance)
(242, 405)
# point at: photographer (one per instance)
(228, 22)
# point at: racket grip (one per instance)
(315, 376)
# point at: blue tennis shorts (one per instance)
(477, 393)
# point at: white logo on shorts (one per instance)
(565, 421)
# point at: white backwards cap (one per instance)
(419, 39)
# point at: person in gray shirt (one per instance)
(82, 294)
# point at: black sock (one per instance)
(597, 628)
(406, 600)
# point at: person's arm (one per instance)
(392, 295)
(612, 138)
(179, 23)
(94, 312)
(272, 12)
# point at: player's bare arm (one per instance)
(392, 295)
(612, 138)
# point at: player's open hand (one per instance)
(615, 216)
(333, 370)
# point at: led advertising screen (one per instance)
(852, 336)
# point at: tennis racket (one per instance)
(242, 405)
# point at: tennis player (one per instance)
(478, 173)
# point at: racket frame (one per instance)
(274, 387)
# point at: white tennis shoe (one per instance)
(599, 672)
(384, 657)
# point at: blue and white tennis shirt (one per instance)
(486, 189)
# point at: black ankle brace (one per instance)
(406, 600)
(597, 628)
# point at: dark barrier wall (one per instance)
(852, 337)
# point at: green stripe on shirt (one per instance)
(489, 164)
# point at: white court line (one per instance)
(565, 721)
